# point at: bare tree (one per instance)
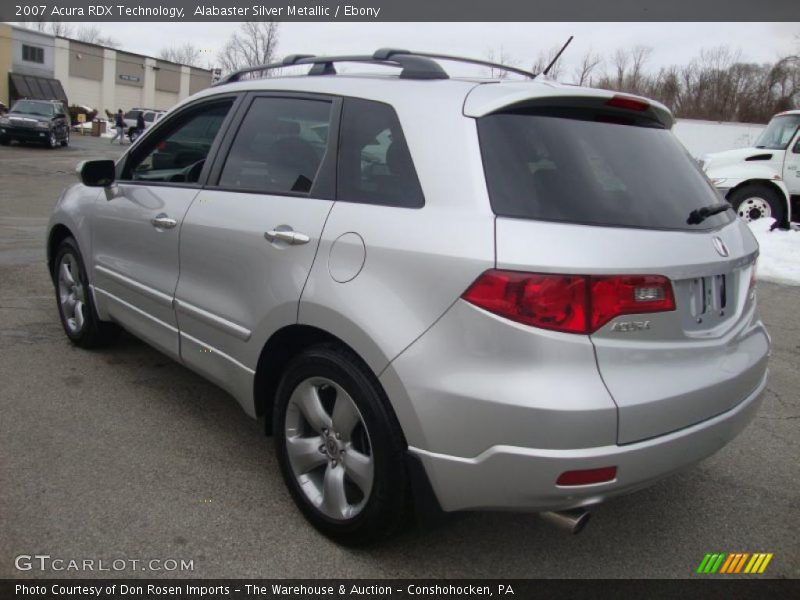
(255, 43)
(499, 56)
(639, 56)
(58, 28)
(544, 58)
(183, 54)
(717, 85)
(37, 23)
(92, 34)
(589, 62)
(620, 61)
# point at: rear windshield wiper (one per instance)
(699, 215)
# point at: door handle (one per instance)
(294, 238)
(163, 222)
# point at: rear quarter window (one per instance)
(375, 164)
(587, 167)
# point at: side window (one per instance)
(148, 117)
(375, 165)
(177, 153)
(279, 146)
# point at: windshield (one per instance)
(779, 132)
(580, 166)
(42, 109)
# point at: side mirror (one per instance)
(97, 173)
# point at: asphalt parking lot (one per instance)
(124, 454)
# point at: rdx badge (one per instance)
(630, 326)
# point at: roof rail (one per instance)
(414, 65)
(388, 53)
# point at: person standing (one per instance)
(139, 123)
(119, 123)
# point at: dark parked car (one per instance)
(42, 121)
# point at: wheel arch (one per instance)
(58, 233)
(280, 348)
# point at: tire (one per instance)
(74, 300)
(52, 140)
(4, 141)
(65, 141)
(758, 201)
(356, 490)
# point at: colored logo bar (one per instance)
(736, 562)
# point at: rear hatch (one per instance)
(598, 187)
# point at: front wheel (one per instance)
(52, 140)
(757, 201)
(340, 448)
(65, 141)
(75, 304)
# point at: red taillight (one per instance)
(628, 103)
(587, 476)
(569, 303)
(548, 301)
(628, 295)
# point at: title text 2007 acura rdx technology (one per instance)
(456, 293)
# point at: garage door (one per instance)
(85, 92)
(165, 100)
(127, 97)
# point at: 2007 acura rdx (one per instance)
(465, 293)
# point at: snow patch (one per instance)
(779, 258)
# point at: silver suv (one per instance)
(438, 293)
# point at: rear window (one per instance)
(579, 166)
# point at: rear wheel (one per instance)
(75, 304)
(757, 201)
(340, 447)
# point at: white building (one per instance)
(45, 66)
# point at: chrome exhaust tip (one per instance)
(572, 520)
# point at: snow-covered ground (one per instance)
(779, 260)
(704, 137)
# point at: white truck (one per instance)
(762, 181)
(151, 115)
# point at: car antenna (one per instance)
(557, 56)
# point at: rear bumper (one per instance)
(517, 478)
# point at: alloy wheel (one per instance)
(71, 294)
(329, 449)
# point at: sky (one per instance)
(672, 43)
